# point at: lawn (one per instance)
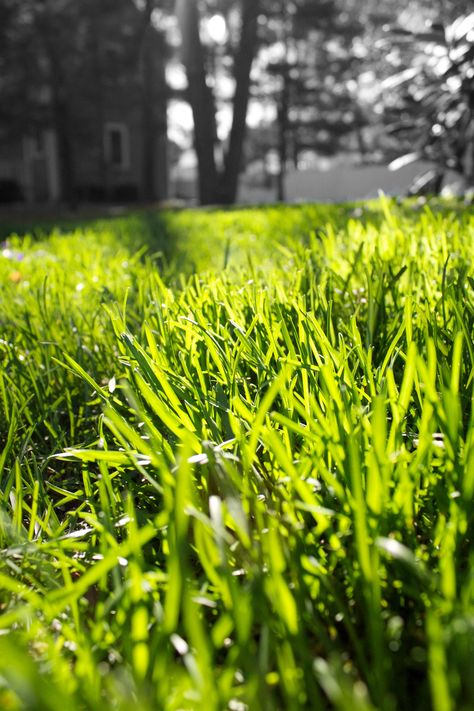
(237, 464)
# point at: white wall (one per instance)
(352, 182)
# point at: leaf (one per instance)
(397, 80)
(393, 129)
(434, 33)
(396, 550)
(460, 28)
(402, 161)
(76, 368)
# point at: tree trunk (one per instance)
(97, 32)
(147, 119)
(283, 108)
(200, 99)
(161, 126)
(60, 109)
(242, 69)
(149, 54)
(65, 153)
(468, 163)
(283, 138)
(62, 126)
(214, 187)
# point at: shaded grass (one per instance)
(249, 489)
(190, 241)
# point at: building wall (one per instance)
(32, 164)
(95, 177)
(105, 84)
(11, 168)
(40, 170)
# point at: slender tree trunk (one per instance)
(468, 163)
(60, 108)
(243, 66)
(283, 109)
(200, 99)
(282, 140)
(97, 30)
(62, 127)
(65, 153)
(162, 162)
(154, 127)
(147, 116)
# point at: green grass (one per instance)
(237, 465)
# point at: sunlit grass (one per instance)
(247, 488)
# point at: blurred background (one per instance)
(222, 101)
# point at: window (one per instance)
(38, 144)
(117, 145)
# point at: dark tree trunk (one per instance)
(97, 32)
(283, 138)
(161, 166)
(147, 116)
(468, 160)
(62, 126)
(200, 99)
(60, 107)
(215, 187)
(65, 153)
(283, 108)
(154, 126)
(242, 69)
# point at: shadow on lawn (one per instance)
(196, 238)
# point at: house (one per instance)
(29, 168)
(97, 99)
